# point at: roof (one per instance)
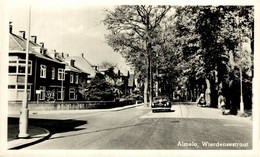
(71, 68)
(84, 65)
(74, 69)
(17, 43)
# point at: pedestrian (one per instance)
(221, 102)
(201, 100)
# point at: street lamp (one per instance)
(241, 92)
(24, 113)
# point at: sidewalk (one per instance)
(38, 134)
(208, 112)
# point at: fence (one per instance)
(69, 105)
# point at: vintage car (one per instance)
(161, 103)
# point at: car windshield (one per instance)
(160, 98)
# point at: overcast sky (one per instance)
(72, 29)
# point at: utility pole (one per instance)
(24, 113)
(241, 92)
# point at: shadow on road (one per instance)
(101, 130)
(110, 129)
(54, 126)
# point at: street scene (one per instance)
(130, 77)
(185, 127)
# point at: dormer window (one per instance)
(72, 62)
(43, 51)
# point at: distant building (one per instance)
(83, 64)
(74, 77)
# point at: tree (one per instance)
(97, 90)
(133, 30)
(215, 31)
(107, 65)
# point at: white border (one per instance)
(175, 153)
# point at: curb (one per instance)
(90, 111)
(21, 143)
(126, 107)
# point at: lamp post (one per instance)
(241, 92)
(24, 113)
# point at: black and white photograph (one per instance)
(136, 79)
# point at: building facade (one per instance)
(51, 77)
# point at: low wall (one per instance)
(76, 105)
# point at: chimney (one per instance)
(68, 55)
(62, 55)
(55, 53)
(82, 55)
(22, 33)
(34, 38)
(42, 44)
(10, 27)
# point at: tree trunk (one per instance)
(151, 81)
(156, 84)
(213, 95)
(145, 91)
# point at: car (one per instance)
(161, 103)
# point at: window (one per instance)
(53, 73)
(61, 74)
(60, 94)
(77, 78)
(43, 69)
(16, 92)
(21, 68)
(29, 92)
(20, 86)
(72, 94)
(42, 94)
(71, 77)
(18, 66)
(30, 68)
(11, 86)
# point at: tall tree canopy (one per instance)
(196, 46)
(133, 30)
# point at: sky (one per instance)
(72, 29)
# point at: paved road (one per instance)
(186, 127)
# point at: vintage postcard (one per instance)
(117, 78)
